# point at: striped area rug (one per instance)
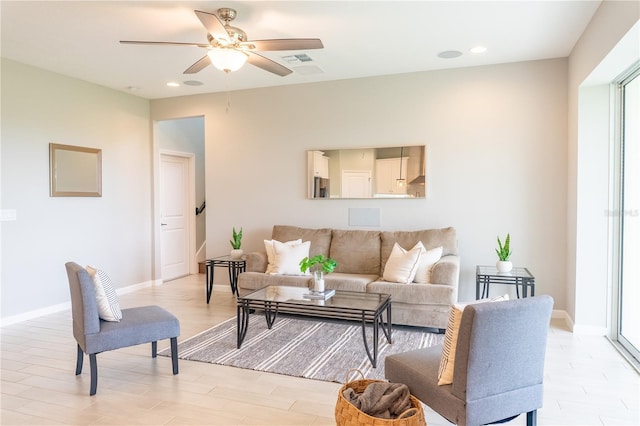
(301, 347)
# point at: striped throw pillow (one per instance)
(448, 357)
(108, 306)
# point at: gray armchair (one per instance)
(138, 325)
(499, 364)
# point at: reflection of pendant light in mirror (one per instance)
(226, 59)
(400, 182)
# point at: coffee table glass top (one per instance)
(294, 295)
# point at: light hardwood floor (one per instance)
(586, 381)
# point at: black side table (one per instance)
(234, 267)
(487, 275)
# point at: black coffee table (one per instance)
(345, 305)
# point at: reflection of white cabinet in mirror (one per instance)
(388, 176)
(320, 165)
(359, 173)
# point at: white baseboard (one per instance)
(36, 313)
(14, 319)
(590, 330)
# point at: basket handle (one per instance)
(353, 370)
(408, 413)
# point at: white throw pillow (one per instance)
(448, 357)
(108, 306)
(402, 265)
(288, 257)
(271, 255)
(428, 258)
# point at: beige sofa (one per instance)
(361, 257)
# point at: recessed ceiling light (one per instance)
(449, 54)
(478, 49)
(173, 84)
(193, 83)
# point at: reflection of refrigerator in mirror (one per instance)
(320, 187)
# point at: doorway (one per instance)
(180, 224)
(628, 315)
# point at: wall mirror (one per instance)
(75, 171)
(386, 172)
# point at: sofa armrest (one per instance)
(256, 261)
(446, 271)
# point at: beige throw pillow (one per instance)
(448, 357)
(106, 297)
(288, 257)
(428, 258)
(402, 265)
(271, 255)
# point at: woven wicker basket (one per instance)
(348, 415)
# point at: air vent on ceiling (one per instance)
(297, 59)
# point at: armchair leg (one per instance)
(94, 374)
(532, 418)
(79, 360)
(154, 349)
(174, 354)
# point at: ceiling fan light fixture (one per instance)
(226, 59)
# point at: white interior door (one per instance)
(174, 216)
(356, 184)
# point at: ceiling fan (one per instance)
(228, 48)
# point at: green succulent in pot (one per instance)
(236, 240)
(504, 251)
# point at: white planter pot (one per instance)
(236, 254)
(504, 266)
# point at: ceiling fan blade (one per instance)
(199, 65)
(267, 64)
(164, 43)
(212, 23)
(287, 44)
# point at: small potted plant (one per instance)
(236, 243)
(504, 254)
(319, 265)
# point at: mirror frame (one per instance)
(321, 170)
(57, 167)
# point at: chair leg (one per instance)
(174, 354)
(79, 361)
(154, 349)
(532, 418)
(94, 374)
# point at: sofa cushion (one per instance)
(348, 282)
(320, 238)
(417, 294)
(357, 252)
(431, 238)
(402, 265)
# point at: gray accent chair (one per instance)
(138, 325)
(499, 364)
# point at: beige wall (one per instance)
(496, 158)
(112, 232)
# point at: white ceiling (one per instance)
(361, 38)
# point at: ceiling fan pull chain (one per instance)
(226, 76)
